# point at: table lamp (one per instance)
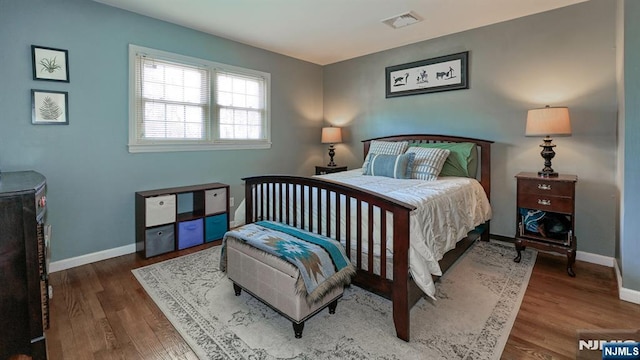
(548, 121)
(331, 135)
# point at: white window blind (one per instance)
(172, 107)
(173, 100)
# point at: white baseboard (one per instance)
(632, 296)
(587, 257)
(90, 258)
(595, 258)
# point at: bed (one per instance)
(378, 229)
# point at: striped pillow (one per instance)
(385, 148)
(428, 162)
(393, 166)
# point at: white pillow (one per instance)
(385, 148)
(428, 162)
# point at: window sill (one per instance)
(145, 148)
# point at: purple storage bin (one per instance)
(190, 233)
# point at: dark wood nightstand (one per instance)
(321, 170)
(545, 213)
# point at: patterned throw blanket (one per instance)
(322, 262)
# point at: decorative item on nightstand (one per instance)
(548, 121)
(331, 135)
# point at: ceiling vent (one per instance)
(402, 20)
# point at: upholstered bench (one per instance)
(273, 281)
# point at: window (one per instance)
(172, 106)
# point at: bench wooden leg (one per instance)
(297, 329)
(237, 289)
(332, 306)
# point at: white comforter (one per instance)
(447, 209)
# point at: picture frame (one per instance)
(50, 64)
(49, 107)
(444, 73)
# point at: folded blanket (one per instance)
(321, 261)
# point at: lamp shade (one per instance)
(331, 135)
(548, 121)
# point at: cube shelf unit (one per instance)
(180, 217)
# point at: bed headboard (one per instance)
(483, 146)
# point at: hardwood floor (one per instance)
(555, 306)
(100, 311)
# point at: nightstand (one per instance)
(545, 213)
(322, 170)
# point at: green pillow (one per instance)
(462, 160)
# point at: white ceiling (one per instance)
(328, 31)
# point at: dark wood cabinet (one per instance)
(545, 213)
(24, 295)
(322, 170)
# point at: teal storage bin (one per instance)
(215, 227)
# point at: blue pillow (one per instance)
(393, 166)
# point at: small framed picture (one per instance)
(50, 64)
(49, 107)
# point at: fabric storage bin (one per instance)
(159, 240)
(215, 227)
(190, 233)
(160, 210)
(215, 201)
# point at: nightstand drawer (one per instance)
(545, 188)
(546, 203)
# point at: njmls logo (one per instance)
(618, 343)
(621, 351)
(599, 344)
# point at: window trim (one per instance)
(137, 146)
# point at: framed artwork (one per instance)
(49, 107)
(50, 64)
(443, 73)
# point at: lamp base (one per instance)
(547, 154)
(332, 153)
(546, 174)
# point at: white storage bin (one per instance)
(160, 210)
(215, 201)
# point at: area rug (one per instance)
(477, 302)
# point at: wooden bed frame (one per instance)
(268, 197)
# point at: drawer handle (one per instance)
(544, 202)
(544, 186)
(161, 203)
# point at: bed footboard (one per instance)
(357, 218)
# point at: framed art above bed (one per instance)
(443, 73)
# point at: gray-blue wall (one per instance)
(630, 242)
(564, 57)
(91, 176)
